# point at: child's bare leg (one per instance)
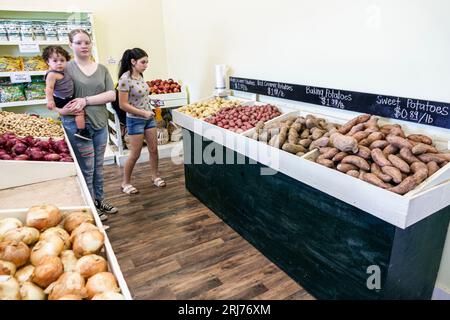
(80, 121)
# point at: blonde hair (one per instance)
(74, 32)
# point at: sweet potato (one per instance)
(344, 143)
(305, 134)
(353, 173)
(329, 154)
(372, 122)
(372, 130)
(357, 161)
(293, 148)
(305, 142)
(361, 135)
(397, 131)
(373, 179)
(390, 149)
(420, 171)
(345, 167)
(399, 163)
(443, 164)
(422, 148)
(341, 155)
(379, 144)
(345, 128)
(364, 142)
(293, 136)
(322, 142)
(407, 155)
(445, 156)
(432, 168)
(399, 142)
(393, 172)
(364, 152)
(420, 138)
(427, 157)
(374, 136)
(317, 133)
(357, 128)
(405, 186)
(325, 162)
(375, 169)
(379, 158)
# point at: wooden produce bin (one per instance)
(27, 183)
(172, 100)
(329, 231)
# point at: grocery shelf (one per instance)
(39, 42)
(22, 103)
(31, 73)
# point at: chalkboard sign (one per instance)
(408, 109)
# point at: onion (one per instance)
(69, 260)
(8, 224)
(36, 155)
(71, 297)
(101, 282)
(90, 265)
(22, 157)
(9, 288)
(42, 145)
(70, 283)
(30, 291)
(47, 271)
(7, 268)
(57, 232)
(43, 217)
(75, 219)
(6, 157)
(52, 157)
(15, 252)
(19, 148)
(109, 295)
(27, 235)
(24, 274)
(88, 242)
(82, 228)
(52, 247)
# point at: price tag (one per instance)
(29, 48)
(20, 77)
(157, 103)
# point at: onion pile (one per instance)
(62, 264)
(30, 148)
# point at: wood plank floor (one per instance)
(170, 246)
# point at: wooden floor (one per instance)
(170, 246)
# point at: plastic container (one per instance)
(63, 31)
(38, 30)
(26, 30)
(3, 31)
(51, 30)
(13, 29)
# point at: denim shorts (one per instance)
(139, 125)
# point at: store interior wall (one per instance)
(399, 48)
(119, 25)
(389, 47)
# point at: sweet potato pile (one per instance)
(382, 155)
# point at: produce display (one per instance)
(163, 86)
(381, 155)
(43, 260)
(243, 118)
(24, 125)
(33, 149)
(202, 110)
(295, 135)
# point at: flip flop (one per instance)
(159, 182)
(129, 189)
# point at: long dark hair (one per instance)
(125, 63)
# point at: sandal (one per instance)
(159, 182)
(129, 189)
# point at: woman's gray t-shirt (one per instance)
(95, 84)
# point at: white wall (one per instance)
(392, 47)
(400, 48)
